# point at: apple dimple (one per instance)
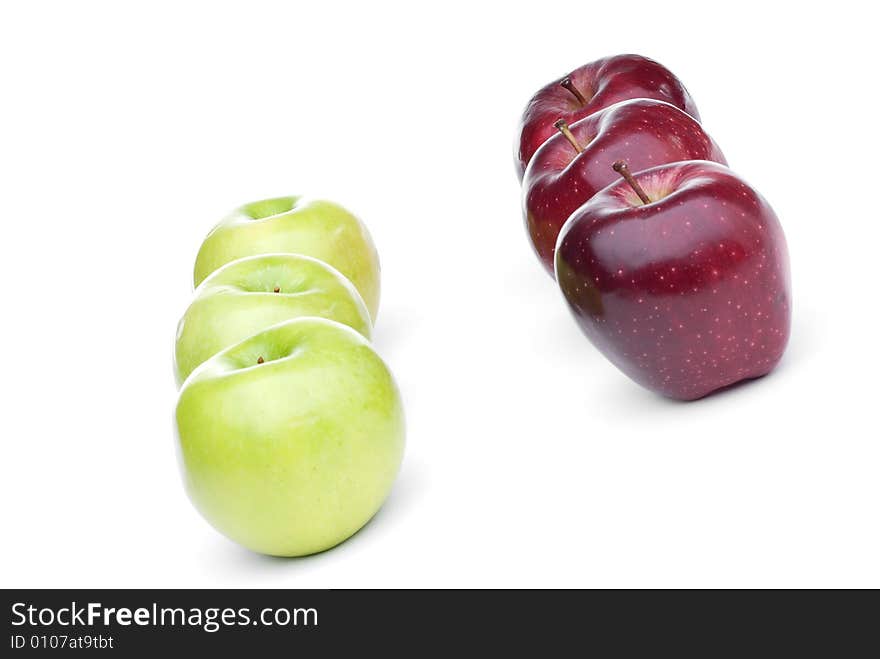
(296, 281)
(250, 354)
(657, 185)
(282, 274)
(580, 90)
(264, 208)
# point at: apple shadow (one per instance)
(551, 328)
(393, 326)
(804, 340)
(528, 279)
(402, 495)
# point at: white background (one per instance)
(127, 132)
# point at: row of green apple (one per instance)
(290, 426)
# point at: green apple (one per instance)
(290, 440)
(253, 293)
(296, 225)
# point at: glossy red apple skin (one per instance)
(685, 295)
(642, 132)
(602, 83)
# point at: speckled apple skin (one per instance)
(602, 83)
(687, 294)
(643, 132)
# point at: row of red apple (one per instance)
(674, 267)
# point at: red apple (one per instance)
(575, 164)
(686, 292)
(589, 89)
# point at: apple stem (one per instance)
(623, 169)
(260, 360)
(563, 128)
(567, 84)
(276, 290)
